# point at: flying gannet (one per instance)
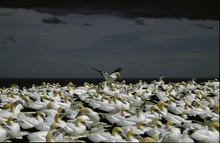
(110, 77)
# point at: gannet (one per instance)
(138, 117)
(156, 129)
(76, 128)
(14, 110)
(135, 100)
(70, 113)
(133, 136)
(110, 77)
(154, 138)
(53, 134)
(153, 113)
(117, 135)
(94, 116)
(30, 122)
(103, 104)
(162, 106)
(13, 126)
(3, 132)
(119, 116)
(140, 128)
(45, 126)
(174, 133)
(176, 118)
(209, 136)
(185, 137)
(56, 135)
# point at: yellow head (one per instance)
(157, 124)
(116, 130)
(169, 124)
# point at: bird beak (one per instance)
(17, 102)
(122, 135)
(122, 100)
(62, 115)
(87, 125)
(62, 130)
(137, 136)
(55, 133)
(44, 119)
(58, 131)
(6, 127)
(18, 121)
(158, 111)
(79, 114)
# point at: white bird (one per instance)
(179, 109)
(209, 136)
(13, 126)
(176, 118)
(118, 103)
(70, 113)
(3, 132)
(117, 135)
(30, 122)
(138, 117)
(135, 100)
(93, 116)
(76, 128)
(140, 128)
(133, 136)
(14, 110)
(156, 129)
(110, 77)
(38, 104)
(104, 88)
(56, 135)
(152, 139)
(119, 116)
(174, 133)
(161, 95)
(53, 134)
(162, 106)
(185, 137)
(103, 104)
(45, 126)
(152, 114)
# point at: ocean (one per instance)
(27, 82)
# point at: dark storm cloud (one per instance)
(157, 47)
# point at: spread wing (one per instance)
(108, 77)
(101, 72)
(117, 70)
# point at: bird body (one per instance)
(14, 128)
(3, 132)
(76, 128)
(117, 135)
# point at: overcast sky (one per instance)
(142, 47)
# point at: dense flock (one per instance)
(184, 111)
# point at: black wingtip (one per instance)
(96, 69)
(117, 70)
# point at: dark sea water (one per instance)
(27, 82)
